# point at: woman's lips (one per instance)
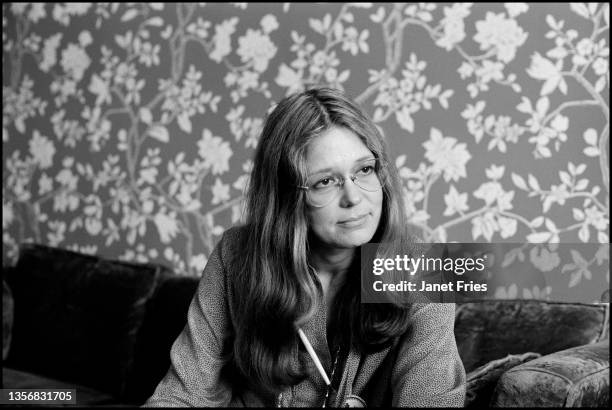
(354, 221)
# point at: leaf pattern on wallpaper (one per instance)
(128, 129)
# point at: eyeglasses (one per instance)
(322, 189)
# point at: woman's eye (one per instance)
(324, 183)
(367, 170)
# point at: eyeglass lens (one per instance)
(324, 189)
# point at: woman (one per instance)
(277, 318)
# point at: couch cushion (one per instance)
(77, 316)
(85, 396)
(490, 330)
(576, 377)
(7, 317)
(482, 381)
(165, 318)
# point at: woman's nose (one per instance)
(351, 193)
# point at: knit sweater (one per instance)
(422, 368)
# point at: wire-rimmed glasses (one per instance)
(322, 189)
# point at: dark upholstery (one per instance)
(490, 330)
(84, 395)
(576, 377)
(75, 313)
(7, 318)
(481, 382)
(165, 319)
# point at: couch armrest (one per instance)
(574, 377)
(7, 312)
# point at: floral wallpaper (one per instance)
(128, 128)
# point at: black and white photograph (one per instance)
(305, 205)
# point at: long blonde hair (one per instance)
(274, 288)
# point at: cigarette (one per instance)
(312, 354)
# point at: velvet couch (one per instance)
(105, 328)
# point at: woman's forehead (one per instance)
(335, 148)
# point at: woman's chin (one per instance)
(356, 237)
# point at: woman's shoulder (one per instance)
(233, 235)
(225, 256)
(231, 243)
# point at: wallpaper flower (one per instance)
(128, 128)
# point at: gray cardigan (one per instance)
(421, 369)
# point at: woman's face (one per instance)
(352, 217)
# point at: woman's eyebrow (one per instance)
(358, 160)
